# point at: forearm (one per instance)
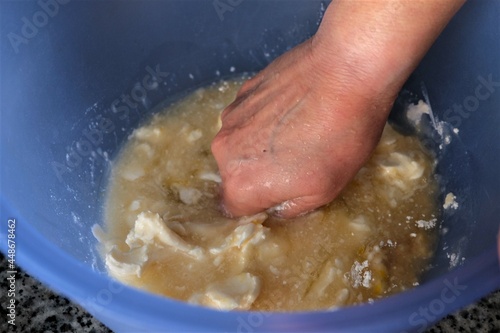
(381, 41)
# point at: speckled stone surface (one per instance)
(41, 310)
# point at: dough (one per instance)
(164, 232)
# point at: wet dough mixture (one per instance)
(165, 233)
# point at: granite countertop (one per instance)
(41, 310)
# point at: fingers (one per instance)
(232, 207)
(286, 210)
(244, 204)
(249, 187)
(242, 193)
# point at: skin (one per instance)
(301, 129)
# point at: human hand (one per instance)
(300, 130)
(294, 137)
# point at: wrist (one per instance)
(374, 45)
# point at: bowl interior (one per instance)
(75, 85)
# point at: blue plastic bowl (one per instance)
(77, 77)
